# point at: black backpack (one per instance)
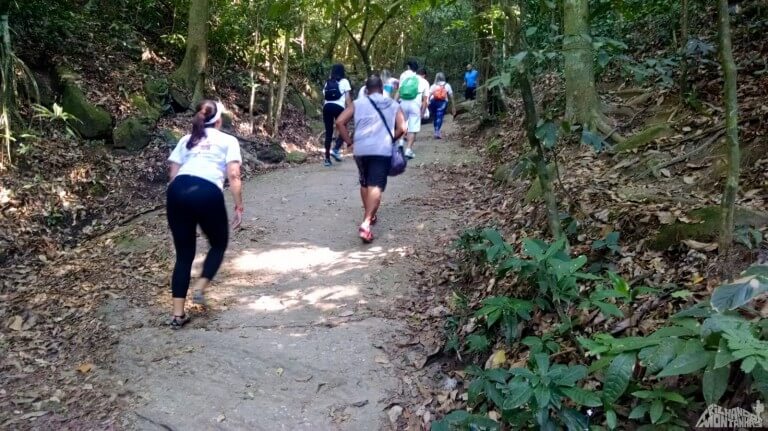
(332, 90)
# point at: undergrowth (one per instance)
(567, 376)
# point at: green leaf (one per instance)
(568, 375)
(542, 362)
(756, 271)
(593, 140)
(543, 395)
(657, 409)
(714, 384)
(493, 393)
(748, 364)
(518, 394)
(573, 420)
(723, 356)
(582, 397)
(530, 31)
(639, 411)
(477, 343)
(687, 363)
(655, 358)
(684, 293)
(533, 248)
(609, 309)
(617, 376)
(547, 134)
(732, 296)
(610, 419)
(643, 395)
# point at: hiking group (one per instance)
(386, 112)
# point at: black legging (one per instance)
(331, 111)
(193, 201)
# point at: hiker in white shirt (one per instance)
(413, 94)
(337, 92)
(440, 96)
(198, 166)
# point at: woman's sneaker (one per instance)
(327, 163)
(336, 155)
(409, 153)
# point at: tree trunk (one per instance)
(331, 47)
(7, 102)
(733, 155)
(581, 103)
(683, 48)
(531, 122)
(191, 73)
(271, 60)
(283, 83)
(254, 82)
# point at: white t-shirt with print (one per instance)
(344, 87)
(423, 83)
(209, 158)
(448, 89)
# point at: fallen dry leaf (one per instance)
(85, 368)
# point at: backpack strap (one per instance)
(382, 118)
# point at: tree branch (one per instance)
(390, 14)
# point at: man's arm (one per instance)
(342, 121)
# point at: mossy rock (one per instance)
(644, 137)
(146, 111)
(132, 134)
(169, 137)
(296, 157)
(94, 122)
(273, 153)
(180, 99)
(309, 107)
(706, 228)
(156, 91)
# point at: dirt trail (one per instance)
(300, 310)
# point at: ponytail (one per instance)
(205, 112)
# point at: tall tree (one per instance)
(733, 154)
(191, 72)
(283, 82)
(367, 13)
(582, 106)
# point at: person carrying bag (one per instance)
(376, 153)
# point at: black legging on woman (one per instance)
(331, 111)
(193, 201)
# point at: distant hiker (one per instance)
(338, 95)
(390, 86)
(440, 96)
(198, 166)
(422, 72)
(413, 93)
(379, 123)
(470, 82)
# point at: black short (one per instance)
(373, 170)
(470, 93)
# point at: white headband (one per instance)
(217, 115)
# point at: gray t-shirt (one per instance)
(371, 135)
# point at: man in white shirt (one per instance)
(414, 97)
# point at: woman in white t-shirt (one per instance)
(195, 197)
(440, 96)
(338, 95)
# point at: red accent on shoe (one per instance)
(365, 234)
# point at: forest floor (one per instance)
(304, 327)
